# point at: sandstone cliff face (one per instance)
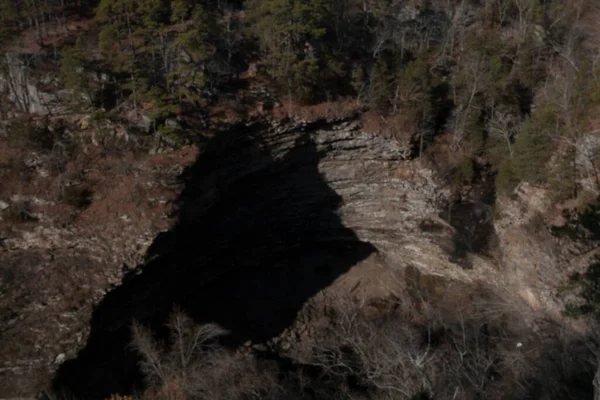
(270, 216)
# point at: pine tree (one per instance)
(8, 17)
(289, 33)
(534, 144)
(181, 10)
(72, 68)
(192, 47)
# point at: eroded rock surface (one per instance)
(270, 217)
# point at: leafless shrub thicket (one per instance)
(192, 365)
(484, 351)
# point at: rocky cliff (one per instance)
(270, 215)
(274, 215)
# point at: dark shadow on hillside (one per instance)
(471, 218)
(257, 235)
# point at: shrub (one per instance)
(25, 133)
(562, 180)
(78, 197)
(18, 212)
(588, 287)
(534, 146)
(506, 179)
(465, 171)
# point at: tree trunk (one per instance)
(597, 385)
(130, 34)
(38, 30)
(64, 17)
(134, 94)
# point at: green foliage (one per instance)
(587, 286)
(413, 87)
(530, 65)
(496, 150)
(562, 178)
(289, 34)
(305, 75)
(281, 24)
(99, 115)
(180, 10)
(506, 179)
(381, 88)
(593, 85)
(532, 150)
(107, 39)
(140, 43)
(137, 87)
(173, 135)
(72, 68)
(465, 171)
(169, 55)
(153, 15)
(26, 133)
(200, 26)
(8, 16)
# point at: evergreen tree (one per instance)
(290, 34)
(192, 46)
(72, 68)
(532, 150)
(8, 16)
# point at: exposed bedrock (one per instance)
(270, 216)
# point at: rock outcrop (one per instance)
(58, 265)
(271, 215)
(25, 91)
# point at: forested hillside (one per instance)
(512, 81)
(508, 82)
(340, 199)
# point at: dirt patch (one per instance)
(398, 126)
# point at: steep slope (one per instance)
(272, 216)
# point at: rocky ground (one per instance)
(60, 261)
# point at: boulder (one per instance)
(84, 123)
(586, 154)
(60, 358)
(172, 123)
(139, 120)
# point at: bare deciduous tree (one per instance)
(384, 354)
(504, 125)
(194, 365)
